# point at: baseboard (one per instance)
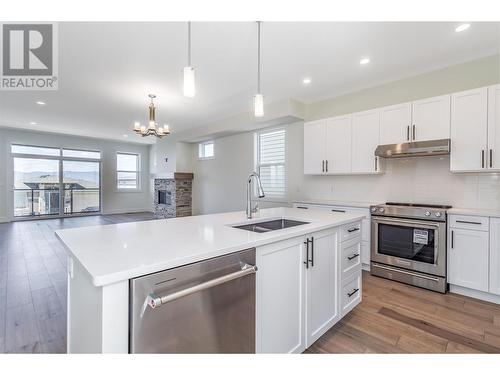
(127, 211)
(365, 267)
(488, 297)
(4, 220)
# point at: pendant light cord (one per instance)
(258, 57)
(189, 43)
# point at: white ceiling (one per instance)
(106, 70)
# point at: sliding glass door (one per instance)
(52, 181)
(81, 186)
(36, 187)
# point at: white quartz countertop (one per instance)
(327, 202)
(474, 211)
(117, 252)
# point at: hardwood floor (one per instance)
(33, 282)
(393, 317)
(397, 318)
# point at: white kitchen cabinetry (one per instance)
(322, 284)
(338, 145)
(495, 256)
(468, 253)
(469, 131)
(365, 139)
(314, 147)
(395, 123)
(298, 290)
(431, 118)
(365, 225)
(494, 128)
(281, 303)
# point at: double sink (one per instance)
(270, 225)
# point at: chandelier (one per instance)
(153, 128)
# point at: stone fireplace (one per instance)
(173, 195)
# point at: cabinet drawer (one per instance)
(350, 231)
(350, 294)
(351, 257)
(470, 222)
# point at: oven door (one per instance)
(407, 243)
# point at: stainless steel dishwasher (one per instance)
(204, 307)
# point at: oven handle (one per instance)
(406, 272)
(154, 301)
(423, 224)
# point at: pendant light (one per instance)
(189, 85)
(258, 99)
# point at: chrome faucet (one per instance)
(251, 209)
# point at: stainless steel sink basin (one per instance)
(268, 226)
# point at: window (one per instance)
(127, 171)
(206, 150)
(271, 162)
(81, 154)
(35, 150)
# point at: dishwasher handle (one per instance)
(154, 301)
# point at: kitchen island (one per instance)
(297, 298)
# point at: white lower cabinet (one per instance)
(468, 254)
(322, 281)
(280, 305)
(350, 293)
(299, 287)
(495, 256)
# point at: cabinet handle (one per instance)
(491, 158)
(482, 158)
(302, 207)
(323, 166)
(408, 133)
(414, 131)
(307, 253)
(353, 230)
(312, 251)
(327, 166)
(376, 164)
(467, 222)
(353, 292)
(334, 210)
(353, 256)
(452, 239)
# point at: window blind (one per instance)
(271, 162)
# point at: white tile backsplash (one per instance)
(423, 179)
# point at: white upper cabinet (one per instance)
(395, 124)
(469, 130)
(431, 118)
(494, 128)
(338, 145)
(365, 139)
(314, 147)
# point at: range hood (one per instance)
(422, 148)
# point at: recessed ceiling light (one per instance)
(40, 103)
(364, 61)
(33, 123)
(462, 27)
(125, 135)
(306, 81)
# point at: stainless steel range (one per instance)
(408, 244)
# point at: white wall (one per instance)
(112, 200)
